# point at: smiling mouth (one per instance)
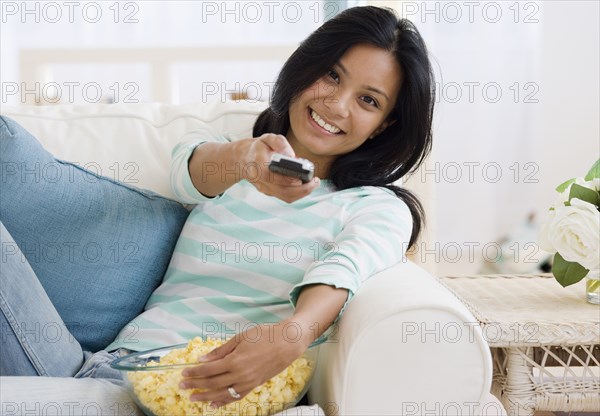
(329, 128)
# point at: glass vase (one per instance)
(592, 286)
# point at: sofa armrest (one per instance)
(405, 345)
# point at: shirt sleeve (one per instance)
(375, 237)
(181, 181)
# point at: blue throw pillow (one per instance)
(98, 247)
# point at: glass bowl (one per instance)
(154, 386)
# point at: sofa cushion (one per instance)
(99, 247)
(143, 133)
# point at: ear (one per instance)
(381, 128)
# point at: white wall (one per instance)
(152, 24)
(566, 129)
(498, 158)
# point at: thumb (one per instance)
(279, 144)
(218, 352)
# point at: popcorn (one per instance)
(158, 391)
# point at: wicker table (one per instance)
(545, 340)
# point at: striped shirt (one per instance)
(243, 257)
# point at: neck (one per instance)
(321, 167)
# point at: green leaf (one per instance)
(585, 194)
(566, 272)
(563, 186)
(594, 171)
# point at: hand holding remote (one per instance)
(287, 178)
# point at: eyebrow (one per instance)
(368, 87)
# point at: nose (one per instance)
(338, 103)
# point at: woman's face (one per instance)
(345, 107)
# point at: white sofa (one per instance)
(405, 345)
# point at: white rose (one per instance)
(574, 231)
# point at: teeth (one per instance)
(322, 123)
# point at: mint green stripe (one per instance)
(144, 323)
(182, 311)
(227, 286)
(245, 233)
(202, 322)
(164, 299)
(252, 314)
(133, 339)
(246, 212)
(308, 220)
(283, 271)
(362, 261)
(192, 248)
(200, 218)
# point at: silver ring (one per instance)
(234, 393)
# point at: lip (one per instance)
(319, 128)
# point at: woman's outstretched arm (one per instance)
(254, 356)
(215, 167)
(317, 308)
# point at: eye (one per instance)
(333, 75)
(370, 100)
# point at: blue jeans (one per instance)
(34, 340)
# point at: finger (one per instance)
(286, 192)
(215, 383)
(283, 180)
(211, 369)
(300, 190)
(219, 352)
(278, 144)
(213, 362)
(291, 194)
(220, 397)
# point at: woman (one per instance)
(262, 253)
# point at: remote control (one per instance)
(291, 166)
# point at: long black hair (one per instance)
(403, 145)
